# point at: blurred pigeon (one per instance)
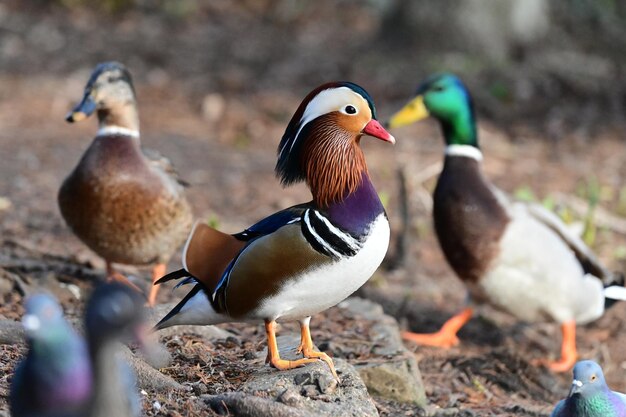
(114, 314)
(55, 379)
(590, 396)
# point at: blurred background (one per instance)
(559, 63)
(217, 82)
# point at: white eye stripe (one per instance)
(327, 101)
(331, 100)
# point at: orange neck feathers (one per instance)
(332, 161)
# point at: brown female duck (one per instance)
(127, 207)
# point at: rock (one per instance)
(291, 398)
(397, 377)
(245, 405)
(147, 376)
(11, 332)
(7, 281)
(155, 354)
(396, 380)
(308, 391)
(326, 383)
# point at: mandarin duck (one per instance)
(113, 314)
(519, 257)
(125, 205)
(306, 258)
(589, 395)
(55, 378)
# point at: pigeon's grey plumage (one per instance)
(114, 313)
(55, 378)
(589, 395)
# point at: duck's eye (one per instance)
(438, 88)
(349, 109)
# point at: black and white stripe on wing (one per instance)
(326, 238)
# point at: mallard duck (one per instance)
(126, 207)
(589, 395)
(306, 258)
(519, 257)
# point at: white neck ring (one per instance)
(117, 131)
(467, 151)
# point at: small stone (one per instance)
(309, 391)
(290, 397)
(200, 388)
(303, 379)
(156, 406)
(249, 355)
(326, 383)
(72, 288)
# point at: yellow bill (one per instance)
(414, 111)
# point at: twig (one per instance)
(399, 258)
(602, 217)
(427, 173)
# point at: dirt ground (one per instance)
(223, 143)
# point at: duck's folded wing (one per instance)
(586, 257)
(265, 265)
(162, 163)
(209, 252)
(274, 222)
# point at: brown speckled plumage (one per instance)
(124, 208)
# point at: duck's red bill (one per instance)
(375, 129)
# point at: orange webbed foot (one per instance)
(569, 353)
(439, 339)
(446, 336)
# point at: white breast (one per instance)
(321, 288)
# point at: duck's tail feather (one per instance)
(195, 309)
(178, 274)
(614, 291)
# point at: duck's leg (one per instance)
(568, 349)
(306, 346)
(273, 356)
(157, 272)
(114, 276)
(446, 336)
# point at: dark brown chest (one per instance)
(469, 220)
